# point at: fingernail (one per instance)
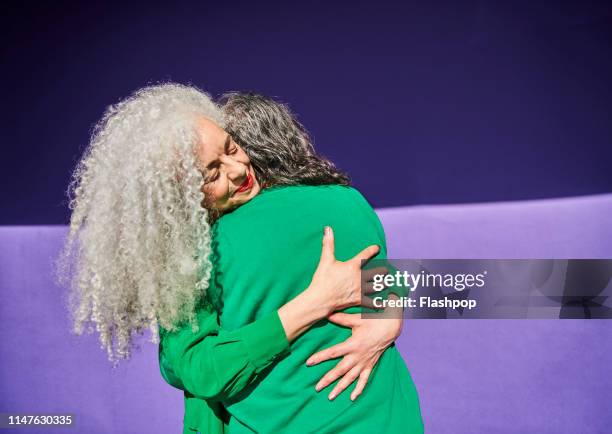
(352, 397)
(332, 396)
(326, 230)
(317, 387)
(308, 362)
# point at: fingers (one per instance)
(368, 302)
(345, 382)
(366, 254)
(363, 380)
(339, 370)
(332, 352)
(368, 288)
(368, 275)
(327, 250)
(345, 319)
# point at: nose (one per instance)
(236, 170)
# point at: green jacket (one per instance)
(214, 364)
(240, 362)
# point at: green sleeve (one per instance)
(216, 364)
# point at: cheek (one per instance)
(210, 195)
(216, 195)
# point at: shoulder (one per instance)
(277, 202)
(301, 193)
(284, 210)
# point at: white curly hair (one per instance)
(136, 256)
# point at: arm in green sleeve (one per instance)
(216, 364)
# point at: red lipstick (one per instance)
(247, 184)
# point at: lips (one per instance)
(246, 185)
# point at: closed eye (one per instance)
(212, 177)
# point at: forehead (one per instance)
(211, 140)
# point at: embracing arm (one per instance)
(214, 363)
(360, 353)
(370, 337)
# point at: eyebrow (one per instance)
(226, 145)
(228, 140)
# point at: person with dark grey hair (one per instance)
(278, 145)
(263, 247)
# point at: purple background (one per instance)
(473, 376)
(439, 102)
(421, 102)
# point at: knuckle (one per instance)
(333, 375)
(365, 375)
(352, 346)
(346, 363)
(352, 374)
(343, 383)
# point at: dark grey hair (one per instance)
(279, 147)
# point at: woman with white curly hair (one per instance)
(158, 171)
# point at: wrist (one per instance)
(299, 314)
(316, 298)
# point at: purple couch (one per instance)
(473, 376)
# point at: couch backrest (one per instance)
(472, 376)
